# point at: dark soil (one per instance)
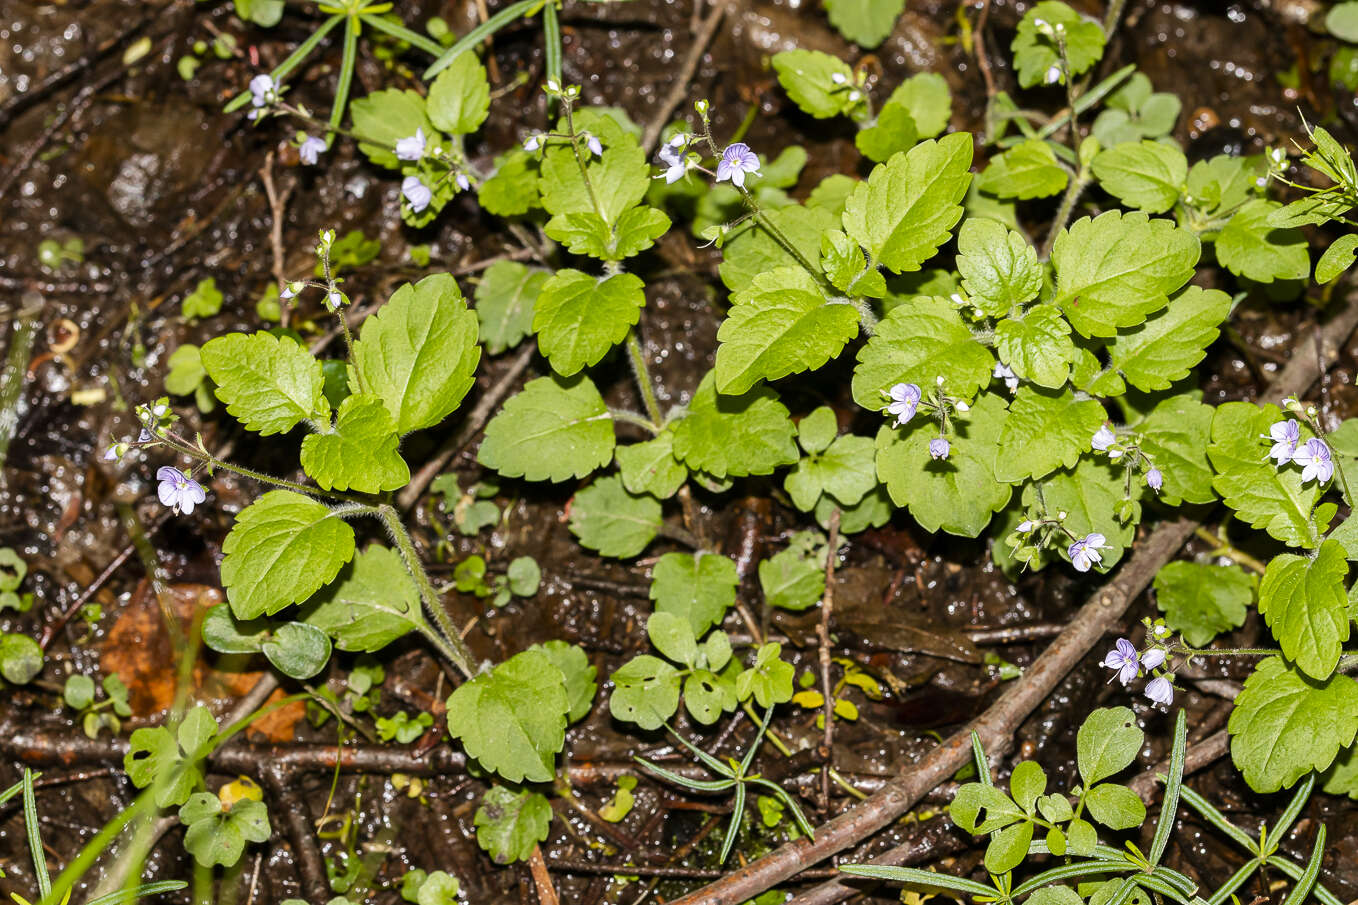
(165, 190)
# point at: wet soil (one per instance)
(165, 190)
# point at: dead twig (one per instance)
(473, 423)
(542, 879)
(651, 136)
(997, 725)
(827, 612)
(295, 817)
(278, 208)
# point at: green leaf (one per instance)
(645, 692)
(1116, 807)
(1342, 776)
(297, 649)
(606, 518)
(418, 353)
(510, 824)
(1342, 21)
(1147, 175)
(908, 206)
(619, 178)
(650, 467)
(1304, 603)
(927, 97)
(1026, 783)
(865, 22)
(268, 384)
(1175, 435)
(551, 430)
(1336, 259)
(699, 587)
(1027, 170)
(204, 301)
(846, 471)
(78, 693)
(218, 837)
(384, 118)
(20, 658)
(782, 324)
(750, 250)
(1285, 725)
(1166, 347)
(958, 494)
(1107, 743)
(266, 13)
(1261, 494)
(513, 718)
(734, 435)
(283, 547)
(459, 99)
(1114, 270)
(817, 430)
(1201, 601)
(1045, 431)
(999, 268)
(579, 317)
(512, 190)
(847, 268)
(769, 678)
(587, 234)
(893, 132)
(1036, 346)
(170, 763)
(793, 578)
(524, 576)
(672, 635)
(806, 76)
(917, 342)
(361, 452)
(186, 370)
(1008, 847)
(1249, 247)
(577, 673)
(1036, 51)
(373, 602)
(980, 808)
(504, 303)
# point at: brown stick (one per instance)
(542, 879)
(996, 726)
(651, 136)
(827, 613)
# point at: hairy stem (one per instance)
(637, 357)
(453, 648)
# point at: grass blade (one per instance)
(34, 836)
(1170, 806)
(481, 32)
(918, 877)
(1308, 879)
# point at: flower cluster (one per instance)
(431, 167)
(1127, 664)
(903, 401)
(177, 489)
(334, 298)
(1314, 456)
(1106, 441)
(264, 93)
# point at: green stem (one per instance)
(180, 445)
(580, 162)
(1224, 548)
(454, 648)
(637, 357)
(1073, 191)
(778, 236)
(348, 63)
(641, 421)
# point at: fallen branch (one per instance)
(997, 725)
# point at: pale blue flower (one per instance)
(591, 142)
(411, 148)
(290, 290)
(736, 161)
(939, 448)
(532, 142)
(1027, 525)
(676, 163)
(1122, 660)
(1004, 372)
(1285, 436)
(1160, 691)
(463, 183)
(1314, 458)
(904, 402)
(1152, 658)
(263, 90)
(115, 452)
(1154, 479)
(310, 149)
(417, 193)
(1103, 438)
(179, 491)
(1085, 551)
